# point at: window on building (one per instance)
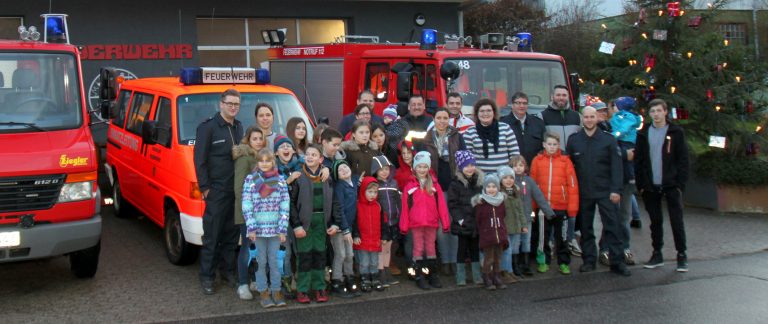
(735, 33)
(238, 42)
(9, 27)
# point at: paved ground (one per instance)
(135, 283)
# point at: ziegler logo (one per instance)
(65, 161)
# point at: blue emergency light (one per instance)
(223, 75)
(428, 39)
(55, 29)
(526, 41)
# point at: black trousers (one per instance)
(557, 227)
(652, 200)
(468, 247)
(220, 235)
(609, 214)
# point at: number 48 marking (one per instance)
(464, 65)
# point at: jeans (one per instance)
(367, 261)
(243, 257)
(518, 243)
(652, 199)
(343, 257)
(571, 232)
(267, 247)
(611, 232)
(635, 208)
(447, 244)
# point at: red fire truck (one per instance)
(49, 197)
(328, 77)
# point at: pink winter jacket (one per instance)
(424, 209)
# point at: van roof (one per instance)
(172, 86)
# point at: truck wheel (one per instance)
(84, 263)
(118, 203)
(178, 250)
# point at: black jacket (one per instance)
(529, 139)
(674, 159)
(460, 195)
(214, 165)
(598, 165)
(563, 122)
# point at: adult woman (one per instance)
(265, 118)
(297, 132)
(379, 136)
(492, 142)
(362, 112)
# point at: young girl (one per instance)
(297, 132)
(531, 193)
(492, 232)
(423, 206)
(556, 173)
(516, 221)
(244, 155)
(379, 136)
(345, 189)
(404, 172)
(390, 202)
(368, 233)
(266, 206)
(467, 183)
(360, 149)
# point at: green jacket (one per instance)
(245, 162)
(515, 217)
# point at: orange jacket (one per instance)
(557, 179)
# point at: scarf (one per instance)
(266, 183)
(292, 166)
(495, 201)
(441, 142)
(489, 133)
(313, 176)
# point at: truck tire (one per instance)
(118, 202)
(84, 263)
(177, 249)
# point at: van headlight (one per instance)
(76, 191)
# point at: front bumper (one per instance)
(46, 240)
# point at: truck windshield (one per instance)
(39, 92)
(193, 109)
(499, 79)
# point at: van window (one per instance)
(196, 108)
(140, 107)
(377, 80)
(163, 118)
(122, 107)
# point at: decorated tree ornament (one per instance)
(660, 34)
(710, 95)
(749, 107)
(649, 94)
(642, 17)
(650, 61)
(673, 9)
(694, 22)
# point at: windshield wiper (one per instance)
(30, 125)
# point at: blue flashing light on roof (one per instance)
(526, 41)
(428, 39)
(191, 76)
(55, 29)
(223, 75)
(262, 76)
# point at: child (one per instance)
(331, 143)
(360, 149)
(297, 132)
(390, 114)
(531, 192)
(516, 221)
(467, 183)
(288, 162)
(390, 202)
(624, 124)
(422, 208)
(345, 188)
(492, 233)
(266, 205)
(555, 172)
(368, 232)
(404, 172)
(315, 215)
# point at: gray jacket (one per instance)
(301, 204)
(531, 190)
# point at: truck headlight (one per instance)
(76, 191)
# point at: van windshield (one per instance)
(499, 79)
(39, 92)
(194, 109)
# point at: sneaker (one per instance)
(682, 262)
(302, 297)
(564, 269)
(656, 261)
(629, 258)
(244, 293)
(573, 247)
(321, 296)
(266, 299)
(636, 223)
(621, 269)
(543, 268)
(278, 298)
(587, 267)
(604, 259)
(207, 286)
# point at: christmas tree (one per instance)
(668, 50)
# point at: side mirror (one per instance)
(163, 135)
(449, 70)
(149, 132)
(106, 109)
(575, 92)
(108, 83)
(404, 86)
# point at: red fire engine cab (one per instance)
(328, 77)
(49, 197)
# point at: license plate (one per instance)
(10, 239)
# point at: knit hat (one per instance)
(391, 111)
(377, 163)
(422, 157)
(490, 178)
(464, 158)
(335, 168)
(625, 103)
(505, 171)
(599, 105)
(280, 139)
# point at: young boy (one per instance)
(368, 231)
(315, 215)
(555, 172)
(331, 142)
(345, 189)
(390, 202)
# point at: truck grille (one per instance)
(29, 193)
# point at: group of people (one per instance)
(502, 190)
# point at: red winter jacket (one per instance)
(426, 208)
(556, 177)
(369, 221)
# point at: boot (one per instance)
(516, 265)
(488, 281)
(376, 282)
(498, 282)
(391, 279)
(525, 261)
(352, 287)
(476, 276)
(339, 289)
(384, 278)
(446, 269)
(365, 283)
(507, 277)
(412, 271)
(421, 275)
(434, 277)
(394, 270)
(461, 274)
(453, 268)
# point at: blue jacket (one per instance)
(346, 194)
(624, 126)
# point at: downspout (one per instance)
(754, 31)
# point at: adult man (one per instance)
(364, 97)
(215, 176)
(597, 161)
(456, 119)
(415, 120)
(529, 129)
(661, 164)
(603, 116)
